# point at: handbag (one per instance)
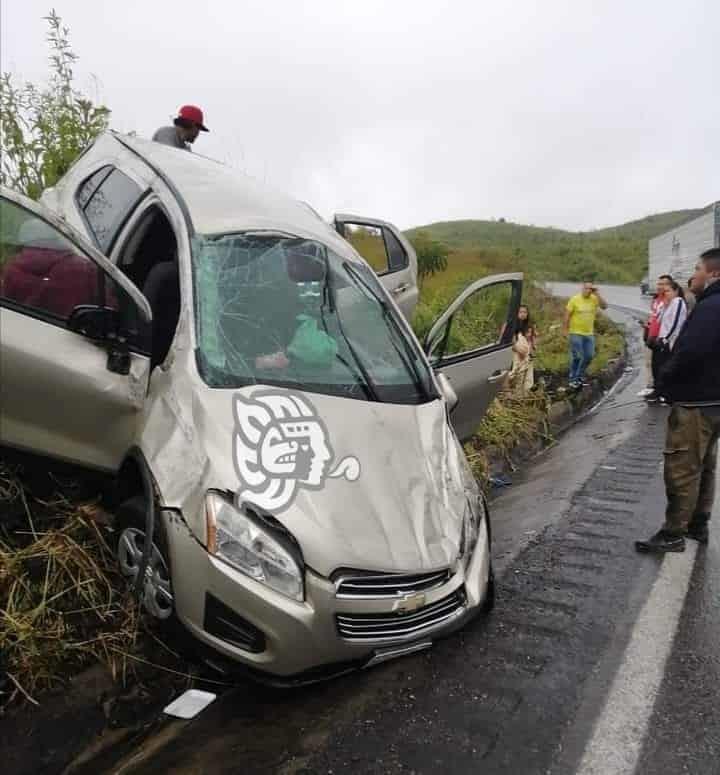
(521, 346)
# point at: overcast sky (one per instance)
(575, 114)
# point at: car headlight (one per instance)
(257, 550)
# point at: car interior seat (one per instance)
(162, 290)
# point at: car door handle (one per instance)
(498, 375)
(401, 288)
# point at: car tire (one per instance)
(157, 598)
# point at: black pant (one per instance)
(659, 358)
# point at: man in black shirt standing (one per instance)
(691, 383)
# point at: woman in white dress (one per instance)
(522, 373)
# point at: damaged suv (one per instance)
(263, 407)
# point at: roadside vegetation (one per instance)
(58, 589)
(44, 127)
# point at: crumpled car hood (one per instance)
(404, 510)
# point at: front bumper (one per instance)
(303, 638)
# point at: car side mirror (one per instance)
(93, 321)
(448, 391)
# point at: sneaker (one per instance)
(662, 542)
(698, 530)
(648, 391)
(652, 398)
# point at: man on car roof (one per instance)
(187, 126)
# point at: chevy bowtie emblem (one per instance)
(409, 603)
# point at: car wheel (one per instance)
(156, 596)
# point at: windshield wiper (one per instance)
(407, 356)
(361, 380)
(363, 377)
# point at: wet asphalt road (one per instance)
(595, 660)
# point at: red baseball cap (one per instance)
(193, 114)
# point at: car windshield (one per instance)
(278, 310)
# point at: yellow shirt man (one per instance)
(582, 313)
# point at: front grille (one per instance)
(394, 625)
(379, 585)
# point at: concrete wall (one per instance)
(676, 251)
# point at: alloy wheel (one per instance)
(157, 597)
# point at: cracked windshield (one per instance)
(359, 388)
(292, 313)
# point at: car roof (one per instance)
(222, 199)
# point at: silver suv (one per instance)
(266, 412)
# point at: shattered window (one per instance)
(109, 204)
(283, 311)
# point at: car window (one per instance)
(369, 243)
(398, 257)
(40, 269)
(478, 324)
(290, 312)
(106, 199)
(90, 186)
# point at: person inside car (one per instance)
(310, 345)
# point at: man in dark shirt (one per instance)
(187, 126)
(691, 382)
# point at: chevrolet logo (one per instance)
(409, 603)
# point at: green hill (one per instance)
(614, 254)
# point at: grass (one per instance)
(59, 605)
(63, 602)
(510, 419)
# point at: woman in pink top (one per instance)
(652, 330)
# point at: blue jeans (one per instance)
(582, 351)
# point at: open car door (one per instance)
(72, 339)
(388, 252)
(471, 345)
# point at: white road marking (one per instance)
(618, 736)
